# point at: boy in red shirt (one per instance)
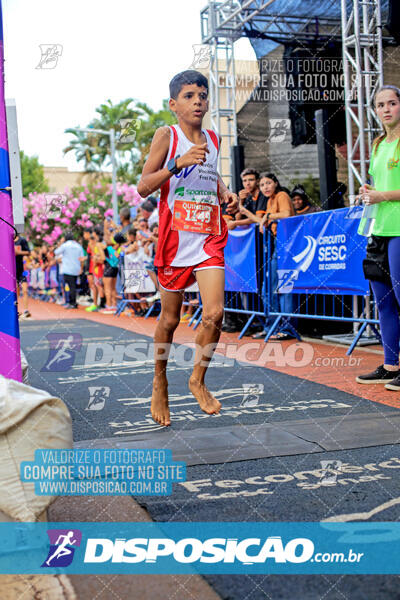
(192, 233)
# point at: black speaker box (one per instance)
(237, 160)
(393, 22)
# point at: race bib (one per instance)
(198, 217)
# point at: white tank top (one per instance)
(179, 248)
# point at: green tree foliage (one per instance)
(134, 124)
(32, 175)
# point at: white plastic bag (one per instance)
(29, 419)
(24, 367)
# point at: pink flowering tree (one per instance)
(81, 207)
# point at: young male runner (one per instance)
(192, 233)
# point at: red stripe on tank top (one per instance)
(214, 138)
(165, 255)
(215, 244)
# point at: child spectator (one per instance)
(301, 201)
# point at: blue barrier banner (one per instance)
(321, 253)
(240, 260)
(209, 547)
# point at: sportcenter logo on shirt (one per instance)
(200, 196)
(197, 195)
(392, 164)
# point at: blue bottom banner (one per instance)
(205, 548)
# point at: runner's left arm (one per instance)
(228, 197)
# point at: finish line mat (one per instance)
(104, 375)
(357, 485)
(246, 442)
(327, 454)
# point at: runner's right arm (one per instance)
(153, 175)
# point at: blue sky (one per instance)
(110, 49)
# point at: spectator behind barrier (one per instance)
(301, 201)
(154, 217)
(250, 198)
(125, 218)
(150, 250)
(136, 244)
(86, 277)
(22, 250)
(146, 210)
(97, 268)
(143, 228)
(110, 251)
(252, 205)
(72, 256)
(279, 206)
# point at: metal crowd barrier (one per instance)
(308, 306)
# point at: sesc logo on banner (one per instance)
(315, 252)
(331, 253)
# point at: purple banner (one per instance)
(10, 366)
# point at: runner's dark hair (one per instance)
(186, 78)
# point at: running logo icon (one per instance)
(251, 394)
(54, 205)
(98, 397)
(63, 347)
(62, 547)
(202, 56)
(329, 472)
(50, 54)
(278, 130)
(134, 279)
(129, 128)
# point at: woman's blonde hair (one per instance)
(380, 138)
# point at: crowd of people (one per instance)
(89, 271)
(264, 201)
(86, 270)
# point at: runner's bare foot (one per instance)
(206, 400)
(159, 402)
